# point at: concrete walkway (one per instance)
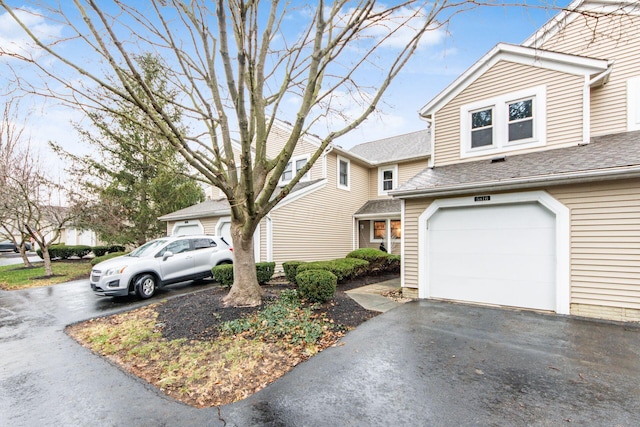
(370, 296)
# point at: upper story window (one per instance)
(508, 122)
(633, 104)
(387, 179)
(344, 173)
(298, 162)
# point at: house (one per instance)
(532, 197)
(342, 203)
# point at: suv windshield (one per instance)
(148, 248)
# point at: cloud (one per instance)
(15, 41)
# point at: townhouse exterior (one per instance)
(342, 204)
(532, 195)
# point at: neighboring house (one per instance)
(340, 205)
(533, 195)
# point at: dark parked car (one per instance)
(8, 245)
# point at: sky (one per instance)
(445, 54)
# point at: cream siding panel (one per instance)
(408, 170)
(278, 138)
(413, 209)
(564, 107)
(605, 243)
(319, 226)
(617, 38)
(373, 184)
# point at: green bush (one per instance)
(264, 271)
(99, 251)
(223, 274)
(116, 248)
(343, 268)
(377, 259)
(316, 285)
(291, 270)
(393, 263)
(110, 255)
(63, 251)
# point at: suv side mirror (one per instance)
(167, 254)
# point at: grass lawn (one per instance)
(14, 277)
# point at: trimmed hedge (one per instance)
(316, 285)
(378, 260)
(102, 250)
(110, 255)
(291, 270)
(224, 273)
(66, 252)
(342, 268)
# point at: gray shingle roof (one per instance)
(606, 156)
(396, 148)
(382, 206)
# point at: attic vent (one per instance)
(498, 159)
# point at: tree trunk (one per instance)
(48, 269)
(246, 291)
(25, 258)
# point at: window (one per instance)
(387, 179)
(481, 128)
(203, 243)
(289, 173)
(508, 122)
(633, 104)
(379, 229)
(344, 172)
(176, 247)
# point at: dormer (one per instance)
(514, 98)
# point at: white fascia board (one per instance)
(627, 172)
(562, 62)
(195, 215)
(292, 197)
(387, 215)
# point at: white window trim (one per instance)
(293, 161)
(633, 104)
(381, 171)
(500, 123)
(387, 229)
(338, 184)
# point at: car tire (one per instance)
(145, 286)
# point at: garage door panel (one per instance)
(493, 254)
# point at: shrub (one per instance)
(316, 285)
(291, 270)
(264, 271)
(342, 268)
(98, 251)
(63, 251)
(393, 263)
(223, 274)
(377, 259)
(110, 255)
(116, 248)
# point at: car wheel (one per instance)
(145, 286)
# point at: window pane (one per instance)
(387, 180)
(203, 243)
(520, 110)
(344, 179)
(396, 229)
(287, 174)
(379, 229)
(300, 164)
(521, 130)
(481, 119)
(481, 137)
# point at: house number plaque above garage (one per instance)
(481, 198)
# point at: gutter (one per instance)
(627, 172)
(195, 215)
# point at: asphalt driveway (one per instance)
(424, 363)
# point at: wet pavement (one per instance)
(423, 363)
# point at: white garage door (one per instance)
(225, 232)
(186, 230)
(499, 254)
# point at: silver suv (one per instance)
(158, 263)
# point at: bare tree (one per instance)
(238, 66)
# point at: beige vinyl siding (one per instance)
(605, 243)
(278, 138)
(319, 226)
(564, 107)
(408, 170)
(616, 38)
(413, 208)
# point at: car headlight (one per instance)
(115, 270)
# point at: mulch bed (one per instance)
(198, 315)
